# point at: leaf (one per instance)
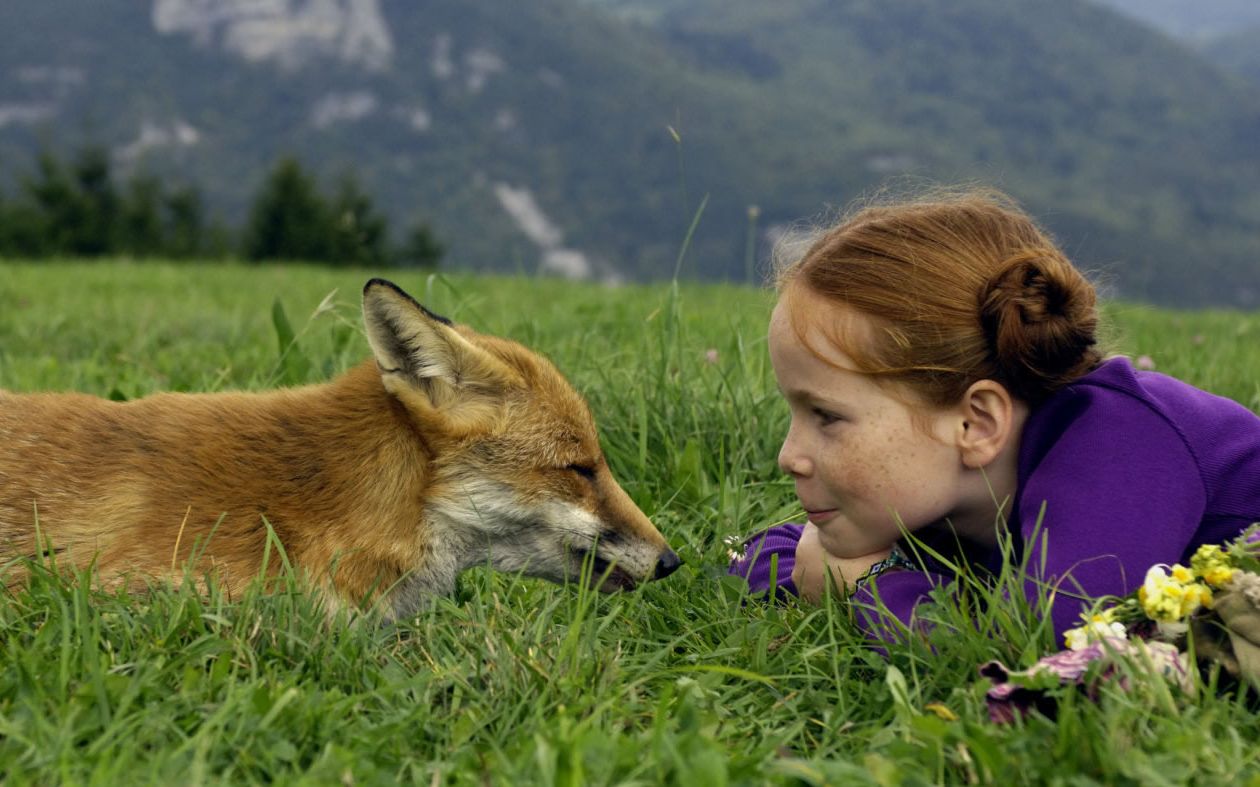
(284, 331)
(691, 469)
(900, 694)
(293, 366)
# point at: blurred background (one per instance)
(594, 139)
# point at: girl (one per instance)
(940, 363)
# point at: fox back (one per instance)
(448, 449)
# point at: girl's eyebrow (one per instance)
(796, 393)
(813, 397)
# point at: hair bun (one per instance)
(1039, 318)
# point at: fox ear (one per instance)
(418, 349)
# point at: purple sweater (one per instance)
(1132, 469)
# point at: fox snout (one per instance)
(609, 576)
(634, 551)
(666, 564)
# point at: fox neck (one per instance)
(400, 547)
(359, 530)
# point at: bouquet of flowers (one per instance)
(1210, 609)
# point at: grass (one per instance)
(514, 681)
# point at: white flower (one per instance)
(1096, 630)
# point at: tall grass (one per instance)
(514, 681)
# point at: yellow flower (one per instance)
(1219, 576)
(1212, 564)
(1171, 595)
(1108, 615)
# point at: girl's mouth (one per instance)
(820, 516)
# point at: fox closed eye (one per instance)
(586, 471)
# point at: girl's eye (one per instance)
(826, 418)
(586, 471)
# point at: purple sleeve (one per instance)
(1121, 492)
(768, 559)
(884, 606)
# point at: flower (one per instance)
(1145, 362)
(1096, 630)
(1210, 608)
(1014, 692)
(1169, 594)
(1212, 564)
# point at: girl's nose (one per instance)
(792, 460)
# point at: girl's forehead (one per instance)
(831, 331)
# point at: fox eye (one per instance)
(586, 471)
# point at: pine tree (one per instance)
(52, 208)
(359, 232)
(185, 225)
(421, 249)
(97, 233)
(141, 225)
(289, 219)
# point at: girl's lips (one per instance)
(818, 517)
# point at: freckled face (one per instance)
(860, 462)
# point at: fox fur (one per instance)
(448, 449)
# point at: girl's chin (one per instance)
(844, 543)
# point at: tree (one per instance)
(185, 231)
(421, 249)
(141, 224)
(97, 233)
(73, 212)
(289, 219)
(52, 208)
(358, 233)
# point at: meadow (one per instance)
(512, 680)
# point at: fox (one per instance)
(444, 450)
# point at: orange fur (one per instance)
(449, 450)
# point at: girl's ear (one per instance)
(988, 423)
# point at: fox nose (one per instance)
(667, 564)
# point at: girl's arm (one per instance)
(767, 560)
(813, 562)
(768, 563)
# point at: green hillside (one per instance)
(1199, 20)
(1142, 158)
(1238, 51)
(607, 123)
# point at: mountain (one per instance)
(1238, 51)
(1226, 32)
(1198, 20)
(583, 136)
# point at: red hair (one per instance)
(959, 287)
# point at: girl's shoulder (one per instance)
(1147, 416)
(1116, 384)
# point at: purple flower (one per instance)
(1017, 692)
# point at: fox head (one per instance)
(518, 480)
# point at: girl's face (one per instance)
(861, 463)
